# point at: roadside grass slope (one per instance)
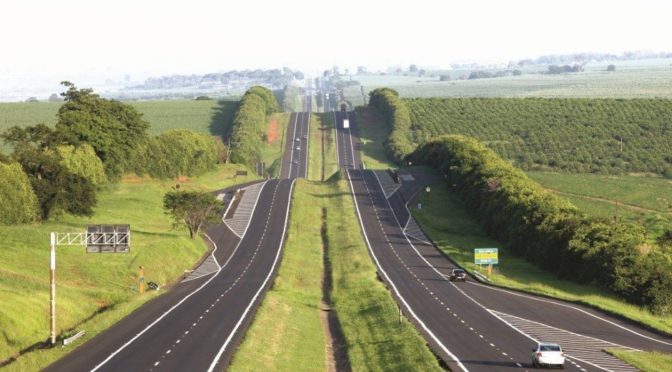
(457, 233)
(93, 290)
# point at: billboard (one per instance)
(486, 256)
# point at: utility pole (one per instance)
(52, 296)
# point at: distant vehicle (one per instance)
(298, 139)
(295, 162)
(298, 148)
(305, 136)
(343, 107)
(458, 274)
(548, 354)
(346, 123)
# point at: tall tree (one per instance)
(114, 129)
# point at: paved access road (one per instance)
(197, 325)
(469, 325)
(297, 138)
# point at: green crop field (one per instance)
(94, 290)
(205, 116)
(576, 135)
(642, 200)
(632, 79)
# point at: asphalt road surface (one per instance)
(295, 156)
(472, 326)
(197, 325)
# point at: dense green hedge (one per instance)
(571, 134)
(398, 120)
(83, 161)
(18, 201)
(249, 124)
(548, 230)
(178, 152)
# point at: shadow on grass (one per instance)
(372, 133)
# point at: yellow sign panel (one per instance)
(486, 256)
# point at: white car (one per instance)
(297, 139)
(298, 148)
(548, 354)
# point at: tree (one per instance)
(55, 98)
(611, 68)
(192, 208)
(413, 68)
(114, 129)
(19, 203)
(444, 77)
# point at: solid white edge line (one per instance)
(213, 251)
(291, 147)
(375, 258)
(233, 198)
(573, 308)
(277, 257)
(352, 149)
(177, 304)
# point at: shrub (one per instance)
(19, 203)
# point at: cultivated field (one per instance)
(571, 134)
(639, 199)
(632, 79)
(212, 117)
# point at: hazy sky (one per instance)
(67, 36)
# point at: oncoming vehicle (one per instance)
(548, 354)
(458, 274)
(298, 148)
(297, 139)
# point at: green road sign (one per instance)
(486, 256)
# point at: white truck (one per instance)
(346, 123)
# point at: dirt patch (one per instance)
(273, 134)
(183, 179)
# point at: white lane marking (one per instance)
(291, 148)
(233, 198)
(181, 301)
(213, 251)
(573, 308)
(277, 256)
(375, 258)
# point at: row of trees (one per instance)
(95, 141)
(570, 134)
(249, 124)
(398, 120)
(550, 231)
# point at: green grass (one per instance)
(213, 117)
(367, 313)
(322, 124)
(89, 283)
(373, 133)
(457, 233)
(641, 200)
(287, 333)
(645, 361)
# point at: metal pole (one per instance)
(52, 310)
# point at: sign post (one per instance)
(486, 256)
(98, 238)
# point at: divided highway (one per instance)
(295, 155)
(197, 325)
(472, 326)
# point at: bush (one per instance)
(398, 119)
(19, 203)
(249, 124)
(82, 160)
(178, 152)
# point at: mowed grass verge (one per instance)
(93, 290)
(286, 333)
(645, 361)
(373, 134)
(457, 233)
(323, 162)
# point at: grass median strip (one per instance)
(645, 361)
(286, 333)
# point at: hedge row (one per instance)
(178, 152)
(548, 230)
(398, 120)
(249, 124)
